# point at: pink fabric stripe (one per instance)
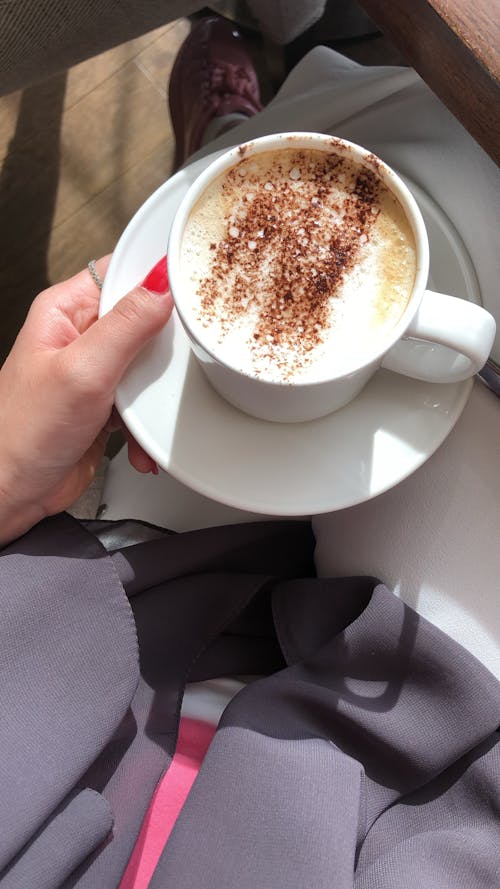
(169, 797)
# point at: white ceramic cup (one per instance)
(439, 338)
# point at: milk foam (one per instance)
(294, 263)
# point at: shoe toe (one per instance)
(214, 44)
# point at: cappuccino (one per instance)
(295, 262)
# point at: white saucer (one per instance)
(272, 468)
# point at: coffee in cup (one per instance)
(296, 261)
(298, 264)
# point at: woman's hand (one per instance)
(57, 390)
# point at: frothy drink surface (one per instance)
(294, 261)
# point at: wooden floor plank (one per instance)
(157, 59)
(9, 108)
(102, 136)
(82, 79)
(105, 216)
(86, 76)
(80, 153)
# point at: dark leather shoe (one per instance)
(212, 76)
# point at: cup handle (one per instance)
(448, 340)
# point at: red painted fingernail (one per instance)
(157, 279)
(154, 469)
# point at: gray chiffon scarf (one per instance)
(365, 756)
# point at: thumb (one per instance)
(113, 341)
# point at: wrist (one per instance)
(17, 515)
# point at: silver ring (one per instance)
(94, 274)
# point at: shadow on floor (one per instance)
(28, 189)
(29, 177)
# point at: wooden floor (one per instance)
(80, 152)
(78, 155)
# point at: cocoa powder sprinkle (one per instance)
(295, 243)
